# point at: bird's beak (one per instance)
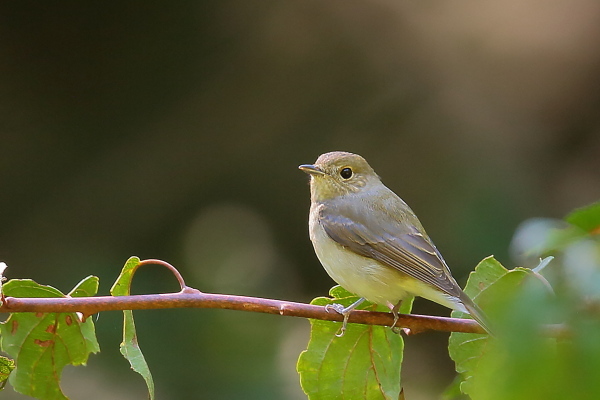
(311, 169)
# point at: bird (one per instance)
(372, 244)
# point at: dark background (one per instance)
(174, 131)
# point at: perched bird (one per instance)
(370, 241)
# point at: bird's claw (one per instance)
(398, 330)
(345, 311)
(340, 309)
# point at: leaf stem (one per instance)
(165, 264)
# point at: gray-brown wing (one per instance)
(391, 241)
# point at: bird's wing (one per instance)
(395, 240)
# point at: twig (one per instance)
(192, 298)
(189, 297)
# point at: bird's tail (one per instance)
(476, 312)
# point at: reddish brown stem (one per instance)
(192, 298)
(165, 264)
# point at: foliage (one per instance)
(546, 341)
(42, 344)
(523, 362)
(130, 348)
(493, 285)
(363, 363)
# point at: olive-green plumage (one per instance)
(370, 241)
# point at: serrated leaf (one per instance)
(488, 271)
(452, 392)
(42, 344)
(465, 349)
(7, 365)
(363, 364)
(586, 218)
(520, 363)
(130, 348)
(489, 285)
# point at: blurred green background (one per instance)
(174, 131)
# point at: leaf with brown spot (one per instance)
(14, 326)
(42, 344)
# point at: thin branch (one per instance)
(192, 298)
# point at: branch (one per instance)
(193, 298)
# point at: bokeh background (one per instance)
(173, 131)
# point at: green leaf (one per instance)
(7, 365)
(363, 364)
(88, 287)
(493, 287)
(466, 349)
(42, 344)
(29, 288)
(488, 271)
(130, 347)
(586, 218)
(453, 392)
(122, 286)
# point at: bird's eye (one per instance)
(346, 173)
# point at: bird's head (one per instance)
(339, 173)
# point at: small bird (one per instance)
(371, 243)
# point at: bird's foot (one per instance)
(396, 329)
(399, 330)
(338, 308)
(345, 311)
